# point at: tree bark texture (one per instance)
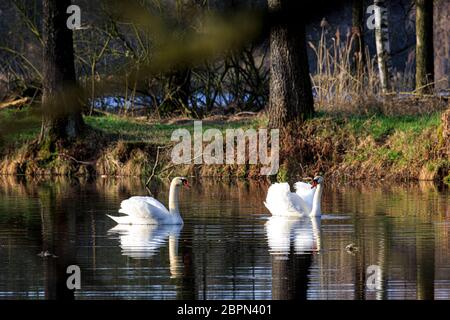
(60, 100)
(290, 96)
(424, 46)
(383, 45)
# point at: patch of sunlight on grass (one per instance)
(380, 125)
(129, 129)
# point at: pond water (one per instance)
(228, 247)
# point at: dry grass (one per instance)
(340, 87)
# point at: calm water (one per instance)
(228, 247)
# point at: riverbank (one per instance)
(406, 147)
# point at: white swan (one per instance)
(148, 210)
(280, 201)
(302, 233)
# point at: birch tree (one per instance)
(383, 45)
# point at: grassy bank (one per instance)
(364, 147)
(375, 147)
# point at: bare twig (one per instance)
(173, 165)
(166, 167)
(154, 165)
(89, 163)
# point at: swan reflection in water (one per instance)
(144, 241)
(292, 243)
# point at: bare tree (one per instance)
(290, 84)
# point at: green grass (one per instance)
(380, 126)
(128, 129)
(20, 126)
(395, 143)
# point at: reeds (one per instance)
(345, 81)
(338, 83)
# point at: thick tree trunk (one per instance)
(290, 85)
(383, 45)
(61, 108)
(424, 46)
(358, 36)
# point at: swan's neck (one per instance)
(173, 199)
(316, 201)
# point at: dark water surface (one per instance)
(228, 247)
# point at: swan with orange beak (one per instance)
(148, 210)
(305, 201)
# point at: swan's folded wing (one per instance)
(156, 203)
(304, 191)
(281, 201)
(143, 208)
(298, 203)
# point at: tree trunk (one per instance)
(441, 39)
(290, 96)
(382, 44)
(424, 46)
(358, 36)
(60, 102)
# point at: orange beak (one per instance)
(186, 184)
(314, 184)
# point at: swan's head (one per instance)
(316, 181)
(181, 181)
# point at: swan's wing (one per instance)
(152, 201)
(143, 208)
(281, 201)
(299, 203)
(305, 192)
